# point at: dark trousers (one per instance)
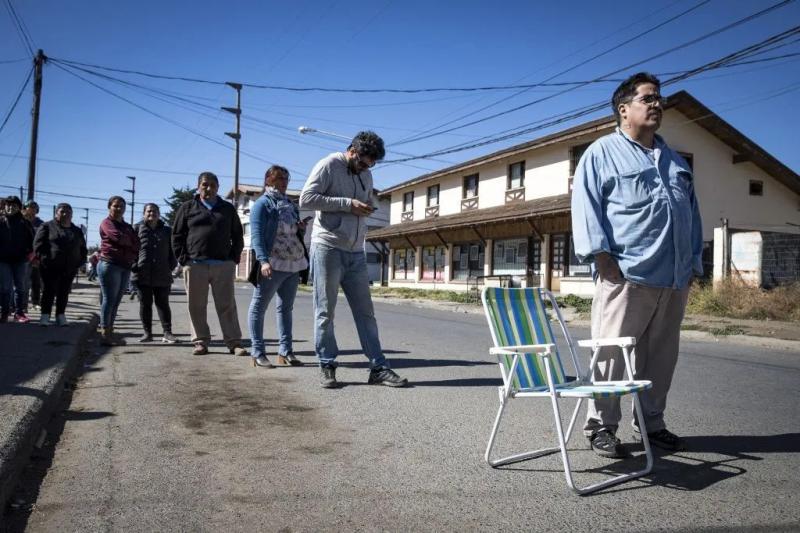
(57, 285)
(161, 296)
(36, 286)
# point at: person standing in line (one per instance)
(16, 247)
(61, 249)
(31, 213)
(635, 217)
(339, 189)
(276, 234)
(119, 249)
(208, 240)
(152, 273)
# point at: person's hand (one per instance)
(266, 270)
(357, 207)
(607, 268)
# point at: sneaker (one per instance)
(665, 439)
(169, 338)
(238, 351)
(386, 376)
(200, 349)
(22, 318)
(44, 320)
(61, 320)
(327, 377)
(146, 337)
(606, 444)
(288, 360)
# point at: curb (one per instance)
(30, 423)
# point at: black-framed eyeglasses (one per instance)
(651, 99)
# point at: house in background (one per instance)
(377, 254)
(505, 217)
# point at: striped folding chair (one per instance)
(532, 368)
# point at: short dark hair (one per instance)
(627, 90)
(64, 205)
(368, 144)
(114, 198)
(14, 200)
(207, 175)
(151, 204)
(32, 203)
(273, 171)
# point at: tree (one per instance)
(178, 196)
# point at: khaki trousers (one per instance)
(653, 316)
(197, 279)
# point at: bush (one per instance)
(734, 299)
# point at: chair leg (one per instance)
(612, 481)
(511, 458)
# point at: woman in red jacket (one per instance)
(119, 250)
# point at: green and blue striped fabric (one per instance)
(518, 317)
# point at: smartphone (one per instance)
(305, 220)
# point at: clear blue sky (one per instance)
(352, 44)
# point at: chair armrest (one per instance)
(522, 348)
(612, 341)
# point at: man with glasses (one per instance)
(635, 217)
(339, 189)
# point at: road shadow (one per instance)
(687, 470)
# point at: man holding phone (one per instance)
(339, 189)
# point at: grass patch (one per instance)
(734, 299)
(463, 297)
(581, 305)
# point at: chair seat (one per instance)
(578, 389)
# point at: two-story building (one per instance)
(505, 217)
(377, 253)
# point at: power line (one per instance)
(564, 117)
(617, 71)
(22, 31)
(16, 100)
(562, 72)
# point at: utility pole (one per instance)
(132, 190)
(38, 61)
(86, 218)
(235, 136)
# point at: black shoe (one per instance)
(147, 337)
(665, 439)
(327, 377)
(386, 376)
(606, 444)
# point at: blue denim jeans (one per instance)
(113, 281)
(13, 286)
(330, 269)
(284, 284)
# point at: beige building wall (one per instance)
(547, 172)
(723, 189)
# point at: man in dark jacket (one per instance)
(16, 245)
(208, 240)
(152, 273)
(31, 213)
(61, 249)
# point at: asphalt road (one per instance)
(157, 440)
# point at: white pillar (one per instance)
(418, 264)
(488, 251)
(448, 262)
(545, 265)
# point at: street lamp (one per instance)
(306, 129)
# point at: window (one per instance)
(536, 256)
(575, 154)
(516, 175)
(246, 229)
(404, 264)
(576, 268)
(433, 263)
(433, 195)
(756, 188)
(468, 259)
(408, 201)
(510, 257)
(470, 189)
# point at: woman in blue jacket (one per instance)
(276, 237)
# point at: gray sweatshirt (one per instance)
(329, 190)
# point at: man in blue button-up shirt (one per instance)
(635, 217)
